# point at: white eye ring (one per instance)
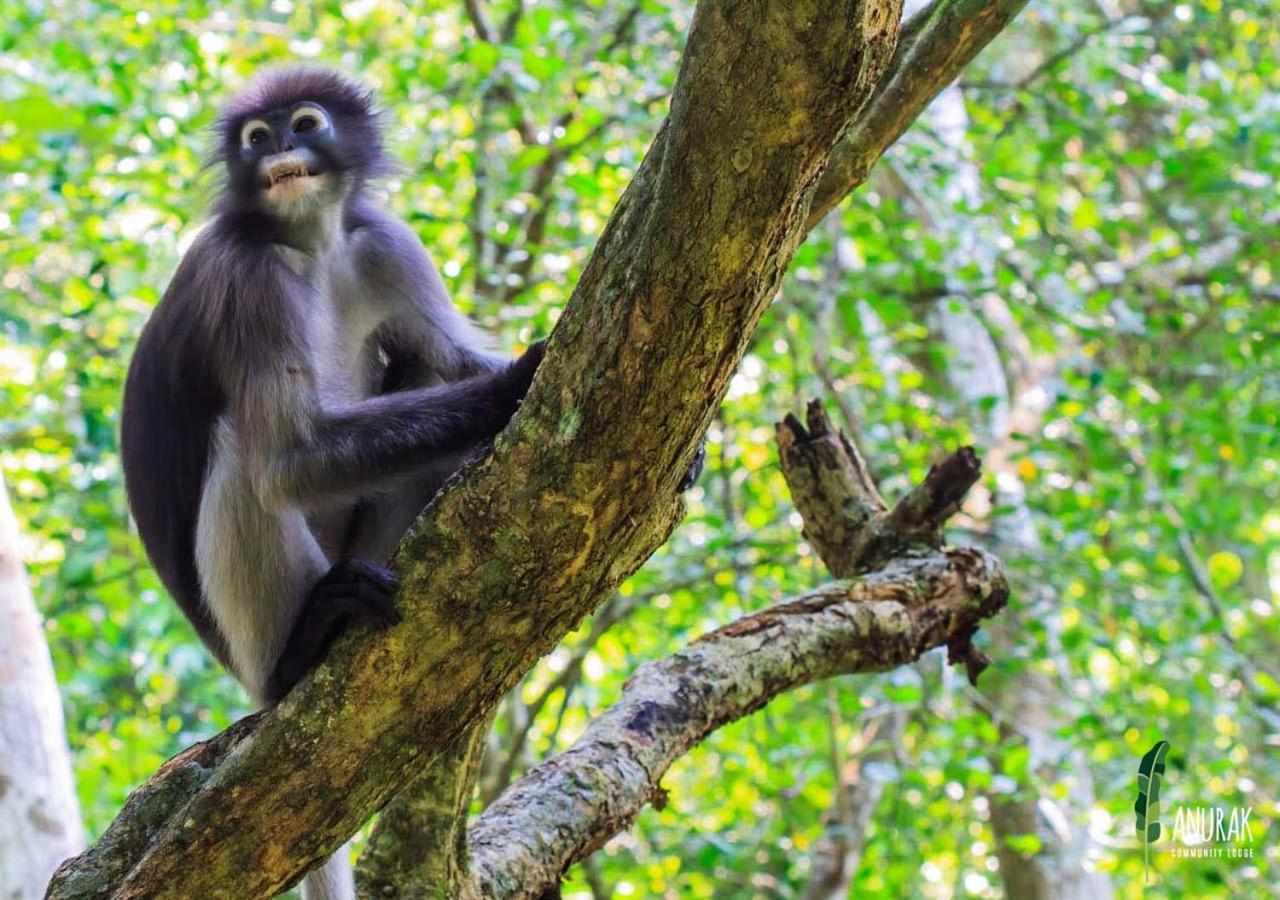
(247, 130)
(322, 121)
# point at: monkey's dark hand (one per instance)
(520, 373)
(353, 590)
(695, 468)
(515, 379)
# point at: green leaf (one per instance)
(1147, 806)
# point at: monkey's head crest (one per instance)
(299, 138)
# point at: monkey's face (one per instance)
(291, 160)
(298, 141)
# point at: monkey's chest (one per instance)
(343, 357)
(343, 364)
(339, 362)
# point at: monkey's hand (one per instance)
(512, 383)
(354, 590)
(519, 375)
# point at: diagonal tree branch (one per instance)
(935, 46)
(567, 807)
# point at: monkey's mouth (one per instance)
(284, 174)
(289, 177)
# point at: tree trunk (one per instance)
(579, 490)
(1060, 869)
(39, 817)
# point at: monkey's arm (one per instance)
(428, 333)
(359, 447)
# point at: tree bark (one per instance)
(418, 849)
(918, 597)
(39, 816)
(567, 807)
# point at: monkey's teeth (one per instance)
(287, 175)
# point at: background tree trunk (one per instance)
(1026, 705)
(39, 816)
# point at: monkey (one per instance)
(302, 389)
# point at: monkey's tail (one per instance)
(332, 881)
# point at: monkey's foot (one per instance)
(695, 468)
(354, 590)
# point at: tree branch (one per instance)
(844, 516)
(420, 837)
(933, 49)
(570, 805)
(567, 807)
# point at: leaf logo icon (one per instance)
(1147, 807)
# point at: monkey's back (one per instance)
(171, 400)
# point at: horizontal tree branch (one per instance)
(565, 808)
(919, 597)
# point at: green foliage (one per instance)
(1126, 189)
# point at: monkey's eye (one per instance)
(306, 119)
(254, 133)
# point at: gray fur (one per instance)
(332, 881)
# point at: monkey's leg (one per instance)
(381, 520)
(352, 590)
(256, 565)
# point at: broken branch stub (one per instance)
(847, 521)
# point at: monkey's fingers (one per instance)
(377, 608)
(523, 368)
(695, 468)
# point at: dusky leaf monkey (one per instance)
(301, 391)
(303, 388)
